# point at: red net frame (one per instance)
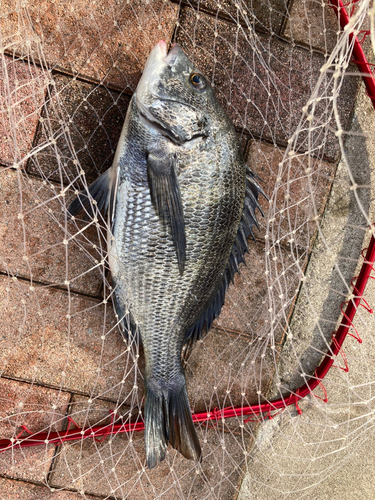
(266, 410)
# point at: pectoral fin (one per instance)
(166, 199)
(101, 192)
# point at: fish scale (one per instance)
(181, 206)
(157, 308)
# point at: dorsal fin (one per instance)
(237, 256)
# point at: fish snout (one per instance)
(162, 47)
(171, 57)
(149, 87)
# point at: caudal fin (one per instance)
(168, 418)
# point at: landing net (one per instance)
(281, 386)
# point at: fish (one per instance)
(181, 205)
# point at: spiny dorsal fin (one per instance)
(102, 191)
(237, 256)
(166, 199)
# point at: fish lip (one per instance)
(171, 57)
(151, 70)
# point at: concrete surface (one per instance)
(327, 452)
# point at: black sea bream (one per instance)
(181, 205)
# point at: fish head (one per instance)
(174, 97)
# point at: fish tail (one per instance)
(156, 431)
(168, 418)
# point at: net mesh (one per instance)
(285, 74)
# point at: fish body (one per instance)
(181, 205)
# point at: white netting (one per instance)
(283, 72)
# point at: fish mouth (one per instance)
(159, 52)
(171, 57)
(146, 91)
(157, 61)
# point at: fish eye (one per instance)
(198, 81)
